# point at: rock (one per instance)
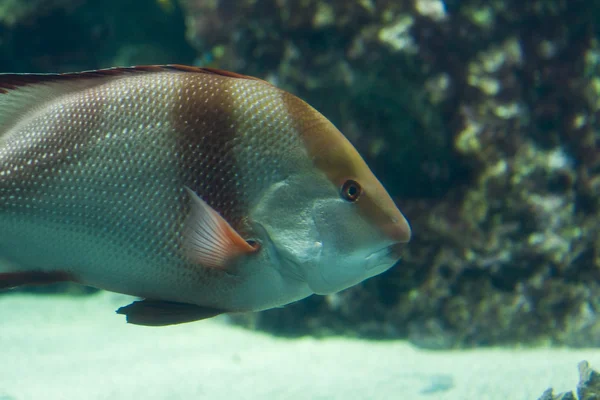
(587, 389)
(589, 383)
(549, 395)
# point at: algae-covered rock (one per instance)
(549, 395)
(587, 389)
(589, 383)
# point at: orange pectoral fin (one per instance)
(10, 280)
(209, 239)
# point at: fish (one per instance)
(199, 191)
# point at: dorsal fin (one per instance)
(21, 93)
(9, 81)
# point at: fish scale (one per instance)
(86, 194)
(121, 160)
(179, 184)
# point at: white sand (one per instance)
(78, 348)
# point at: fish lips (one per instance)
(385, 257)
(374, 263)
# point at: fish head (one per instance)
(362, 233)
(332, 223)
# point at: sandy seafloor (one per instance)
(59, 347)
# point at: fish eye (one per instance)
(351, 190)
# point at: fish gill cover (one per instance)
(480, 117)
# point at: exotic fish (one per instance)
(199, 190)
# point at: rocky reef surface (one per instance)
(587, 389)
(481, 118)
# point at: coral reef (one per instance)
(482, 119)
(587, 389)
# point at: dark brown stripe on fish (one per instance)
(206, 136)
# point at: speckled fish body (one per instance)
(184, 185)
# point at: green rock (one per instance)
(587, 389)
(589, 383)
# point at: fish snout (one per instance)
(398, 229)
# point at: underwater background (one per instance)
(480, 117)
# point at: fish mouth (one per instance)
(387, 255)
